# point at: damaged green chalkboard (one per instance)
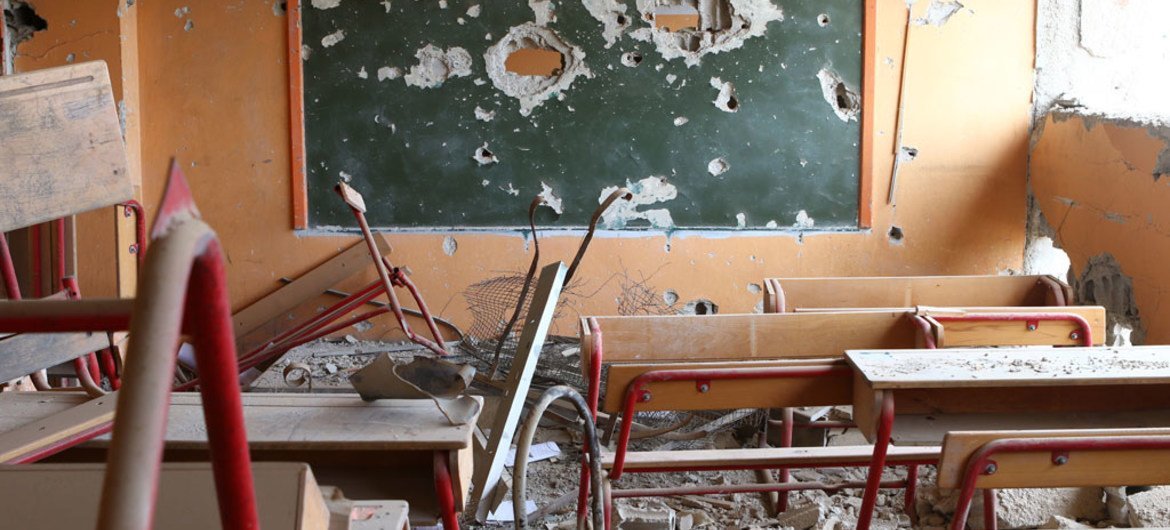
(415, 103)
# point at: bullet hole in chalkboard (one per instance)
(631, 59)
(823, 20)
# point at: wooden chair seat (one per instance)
(767, 457)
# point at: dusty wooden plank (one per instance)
(32, 496)
(991, 367)
(906, 291)
(29, 437)
(764, 457)
(26, 353)
(742, 393)
(1035, 470)
(307, 286)
(490, 463)
(931, 429)
(61, 144)
(277, 421)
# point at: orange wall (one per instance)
(215, 97)
(1093, 179)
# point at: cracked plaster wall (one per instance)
(227, 121)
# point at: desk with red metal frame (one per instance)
(1058, 388)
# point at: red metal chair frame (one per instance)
(183, 291)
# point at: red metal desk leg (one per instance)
(878, 463)
(990, 521)
(785, 441)
(444, 492)
(911, 490)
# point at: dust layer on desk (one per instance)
(1013, 363)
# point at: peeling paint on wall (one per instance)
(389, 72)
(650, 190)
(435, 66)
(803, 221)
(724, 25)
(483, 156)
(726, 100)
(450, 245)
(612, 15)
(542, 10)
(531, 90)
(484, 115)
(326, 4)
(939, 12)
(844, 100)
(718, 167)
(550, 199)
(331, 39)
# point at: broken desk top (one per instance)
(992, 367)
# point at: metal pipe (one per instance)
(990, 521)
(591, 456)
(62, 316)
(84, 366)
(925, 330)
(8, 270)
(880, 447)
(443, 491)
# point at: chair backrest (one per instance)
(796, 294)
(1048, 465)
(61, 143)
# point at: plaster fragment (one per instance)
(723, 25)
(326, 4)
(740, 220)
(461, 21)
(389, 72)
(435, 66)
(542, 11)
(771, 224)
(182, 12)
(450, 246)
(386, 4)
(345, 176)
(754, 288)
(485, 157)
(306, 51)
(718, 166)
(532, 91)
(631, 59)
(680, 121)
(485, 182)
(333, 38)
(803, 221)
(650, 190)
(844, 100)
(939, 12)
(484, 115)
(671, 78)
(726, 100)
(550, 199)
(510, 190)
(442, 4)
(474, 11)
(612, 15)
(363, 74)
(190, 25)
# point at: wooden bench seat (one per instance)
(802, 294)
(767, 457)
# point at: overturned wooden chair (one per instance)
(693, 363)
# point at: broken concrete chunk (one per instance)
(1063, 522)
(725, 100)
(679, 121)
(474, 11)
(631, 518)
(1150, 509)
(801, 518)
(483, 156)
(844, 100)
(533, 90)
(436, 65)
